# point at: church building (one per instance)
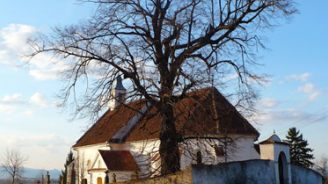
(123, 144)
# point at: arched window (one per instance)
(84, 181)
(106, 179)
(199, 157)
(282, 166)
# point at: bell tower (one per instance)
(118, 94)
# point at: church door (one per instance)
(282, 166)
(99, 180)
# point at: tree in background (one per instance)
(300, 153)
(13, 164)
(63, 175)
(164, 49)
(322, 167)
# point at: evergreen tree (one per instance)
(69, 159)
(300, 153)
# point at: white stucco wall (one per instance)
(145, 152)
(242, 148)
(88, 157)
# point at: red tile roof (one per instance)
(119, 160)
(202, 113)
(109, 124)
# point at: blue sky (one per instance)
(296, 94)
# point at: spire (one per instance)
(119, 85)
(117, 94)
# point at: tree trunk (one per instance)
(13, 179)
(169, 148)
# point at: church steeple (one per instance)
(118, 94)
(119, 85)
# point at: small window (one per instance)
(219, 150)
(89, 164)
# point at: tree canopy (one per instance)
(300, 153)
(164, 49)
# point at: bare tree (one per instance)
(165, 49)
(13, 162)
(322, 167)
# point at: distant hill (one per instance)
(33, 173)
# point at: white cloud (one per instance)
(17, 103)
(44, 67)
(39, 100)
(14, 49)
(310, 90)
(42, 75)
(299, 77)
(13, 42)
(290, 116)
(268, 103)
(230, 77)
(12, 99)
(28, 113)
(307, 87)
(38, 148)
(14, 36)
(8, 103)
(6, 109)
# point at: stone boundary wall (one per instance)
(244, 172)
(301, 175)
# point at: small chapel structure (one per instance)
(123, 144)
